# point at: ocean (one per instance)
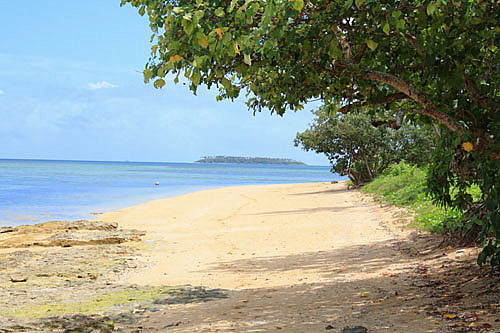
(33, 191)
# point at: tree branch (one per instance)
(475, 94)
(387, 99)
(346, 48)
(417, 96)
(360, 54)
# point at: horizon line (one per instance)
(127, 161)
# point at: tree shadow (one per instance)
(347, 259)
(304, 211)
(334, 190)
(192, 295)
(419, 288)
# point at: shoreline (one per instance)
(37, 191)
(301, 257)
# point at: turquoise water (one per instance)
(34, 191)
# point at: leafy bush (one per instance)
(463, 177)
(404, 185)
(358, 148)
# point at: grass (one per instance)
(403, 185)
(92, 305)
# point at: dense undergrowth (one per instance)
(404, 185)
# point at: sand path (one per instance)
(298, 258)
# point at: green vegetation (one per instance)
(248, 160)
(404, 185)
(437, 62)
(361, 147)
(93, 305)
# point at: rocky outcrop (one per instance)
(65, 234)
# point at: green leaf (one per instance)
(400, 24)
(387, 28)
(298, 5)
(199, 14)
(359, 3)
(196, 77)
(335, 51)
(142, 10)
(247, 60)
(348, 4)
(159, 83)
(148, 74)
(170, 65)
(203, 42)
(431, 8)
(371, 44)
(189, 28)
(220, 12)
(396, 13)
(178, 10)
(226, 83)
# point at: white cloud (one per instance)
(2, 92)
(101, 85)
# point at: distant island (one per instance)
(248, 160)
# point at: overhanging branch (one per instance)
(427, 107)
(387, 99)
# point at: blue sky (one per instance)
(71, 88)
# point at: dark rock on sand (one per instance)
(357, 329)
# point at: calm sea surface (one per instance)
(34, 191)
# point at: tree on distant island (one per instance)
(437, 61)
(248, 160)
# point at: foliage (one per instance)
(436, 60)
(404, 185)
(452, 174)
(360, 150)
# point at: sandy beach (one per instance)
(195, 238)
(294, 258)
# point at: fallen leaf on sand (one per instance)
(449, 316)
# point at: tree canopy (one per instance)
(436, 58)
(437, 61)
(361, 147)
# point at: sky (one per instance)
(71, 88)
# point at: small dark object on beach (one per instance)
(16, 279)
(6, 229)
(357, 329)
(329, 327)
